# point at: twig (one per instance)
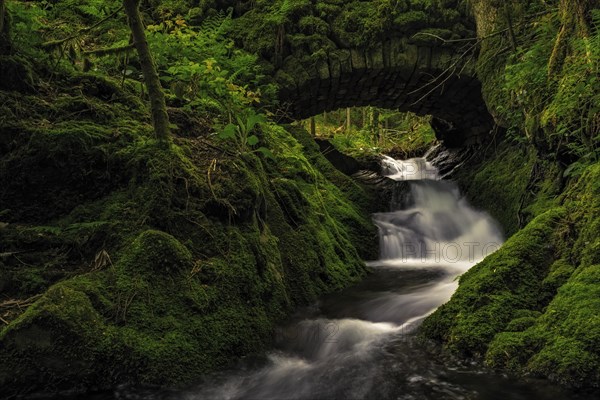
(54, 43)
(440, 76)
(495, 33)
(20, 303)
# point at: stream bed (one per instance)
(361, 343)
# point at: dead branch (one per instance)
(20, 304)
(55, 43)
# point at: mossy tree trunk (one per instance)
(573, 15)
(160, 118)
(4, 29)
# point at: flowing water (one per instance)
(360, 344)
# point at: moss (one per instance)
(491, 292)
(58, 332)
(532, 307)
(566, 336)
(560, 272)
(311, 25)
(497, 184)
(59, 158)
(182, 263)
(520, 324)
(157, 252)
(360, 228)
(411, 21)
(17, 74)
(336, 24)
(567, 362)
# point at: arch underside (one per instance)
(424, 80)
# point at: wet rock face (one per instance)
(340, 161)
(390, 193)
(447, 160)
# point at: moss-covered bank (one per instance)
(533, 306)
(146, 264)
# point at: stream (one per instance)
(360, 343)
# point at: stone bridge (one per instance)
(409, 55)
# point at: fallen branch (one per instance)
(451, 71)
(495, 33)
(10, 304)
(58, 42)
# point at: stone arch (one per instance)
(409, 55)
(395, 75)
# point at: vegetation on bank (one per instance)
(370, 131)
(126, 257)
(130, 257)
(532, 307)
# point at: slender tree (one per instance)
(160, 118)
(2, 11)
(4, 29)
(348, 120)
(313, 127)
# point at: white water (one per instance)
(438, 229)
(439, 235)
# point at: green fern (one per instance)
(216, 26)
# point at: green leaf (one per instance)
(266, 152)
(240, 121)
(574, 170)
(229, 132)
(252, 140)
(253, 120)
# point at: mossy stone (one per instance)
(157, 252)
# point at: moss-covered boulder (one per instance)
(532, 307)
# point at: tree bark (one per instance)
(160, 118)
(574, 15)
(375, 124)
(509, 23)
(4, 29)
(348, 120)
(2, 11)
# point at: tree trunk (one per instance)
(375, 124)
(313, 127)
(509, 23)
(573, 15)
(160, 118)
(2, 11)
(348, 120)
(4, 29)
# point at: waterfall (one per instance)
(437, 227)
(348, 344)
